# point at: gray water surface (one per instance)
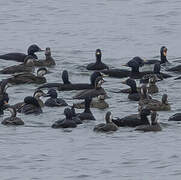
(73, 29)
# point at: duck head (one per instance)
(98, 83)
(131, 83)
(163, 53)
(48, 52)
(4, 85)
(29, 61)
(52, 93)
(41, 72)
(39, 93)
(11, 109)
(98, 55)
(33, 49)
(65, 77)
(152, 80)
(165, 99)
(108, 117)
(31, 100)
(68, 113)
(94, 76)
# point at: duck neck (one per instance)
(133, 89)
(98, 59)
(135, 70)
(87, 108)
(163, 59)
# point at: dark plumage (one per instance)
(27, 66)
(68, 86)
(87, 114)
(37, 94)
(154, 126)
(134, 64)
(175, 117)
(98, 90)
(49, 61)
(108, 127)
(149, 79)
(30, 106)
(133, 95)
(28, 78)
(134, 119)
(21, 56)
(53, 101)
(98, 65)
(163, 57)
(12, 120)
(67, 122)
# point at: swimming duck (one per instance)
(154, 126)
(87, 114)
(149, 79)
(68, 86)
(100, 103)
(37, 94)
(53, 101)
(30, 106)
(154, 104)
(175, 117)
(98, 90)
(49, 61)
(108, 127)
(133, 95)
(75, 117)
(134, 64)
(12, 120)
(21, 56)
(23, 78)
(67, 122)
(163, 57)
(27, 66)
(98, 65)
(134, 119)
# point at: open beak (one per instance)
(45, 95)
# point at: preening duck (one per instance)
(28, 78)
(12, 120)
(48, 62)
(154, 126)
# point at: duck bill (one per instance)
(123, 82)
(126, 65)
